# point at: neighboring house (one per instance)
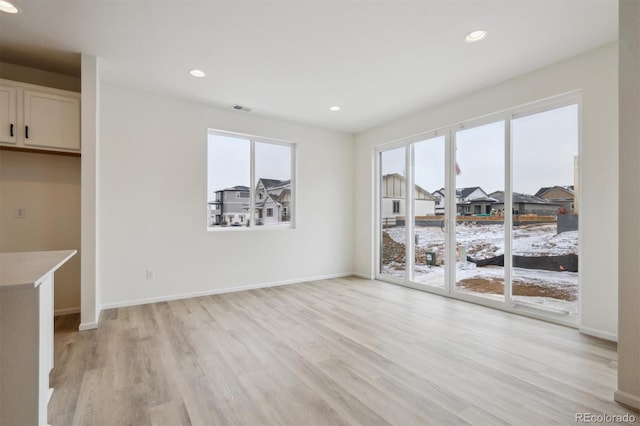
(526, 204)
(273, 201)
(393, 198)
(473, 200)
(440, 202)
(564, 196)
(227, 209)
(272, 205)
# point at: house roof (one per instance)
(569, 189)
(429, 196)
(236, 188)
(521, 198)
(274, 183)
(465, 192)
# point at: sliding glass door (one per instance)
(480, 231)
(429, 212)
(545, 210)
(392, 207)
(486, 212)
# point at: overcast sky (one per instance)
(229, 161)
(544, 146)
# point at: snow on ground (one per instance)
(484, 241)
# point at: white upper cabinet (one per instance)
(35, 117)
(8, 116)
(51, 121)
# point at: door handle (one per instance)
(26, 132)
(11, 129)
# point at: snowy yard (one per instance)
(551, 289)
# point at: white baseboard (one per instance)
(365, 276)
(219, 291)
(599, 333)
(627, 399)
(66, 311)
(88, 326)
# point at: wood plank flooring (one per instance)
(332, 352)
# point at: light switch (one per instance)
(21, 213)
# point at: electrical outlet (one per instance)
(21, 213)
(151, 274)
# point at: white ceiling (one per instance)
(377, 59)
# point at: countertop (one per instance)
(27, 269)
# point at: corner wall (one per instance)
(629, 286)
(48, 187)
(595, 73)
(153, 159)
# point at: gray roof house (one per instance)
(526, 204)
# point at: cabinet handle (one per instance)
(11, 129)
(26, 132)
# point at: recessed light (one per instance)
(194, 72)
(335, 108)
(474, 36)
(7, 7)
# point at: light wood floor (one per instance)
(340, 351)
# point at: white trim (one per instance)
(365, 276)
(88, 326)
(90, 190)
(627, 399)
(293, 160)
(613, 337)
(66, 311)
(220, 291)
(507, 116)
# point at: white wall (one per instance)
(40, 77)
(152, 163)
(48, 187)
(629, 304)
(90, 206)
(594, 72)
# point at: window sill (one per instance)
(248, 229)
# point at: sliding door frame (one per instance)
(449, 132)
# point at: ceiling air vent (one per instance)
(241, 108)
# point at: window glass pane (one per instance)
(429, 208)
(392, 206)
(228, 179)
(479, 234)
(545, 210)
(273, 184)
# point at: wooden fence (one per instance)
(433, 220)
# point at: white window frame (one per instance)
(536, 107)
(395, 203)
(253, 139)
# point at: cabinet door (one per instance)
(8, 129)
(51, 121)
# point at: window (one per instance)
(458, 185)
(258, 171)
